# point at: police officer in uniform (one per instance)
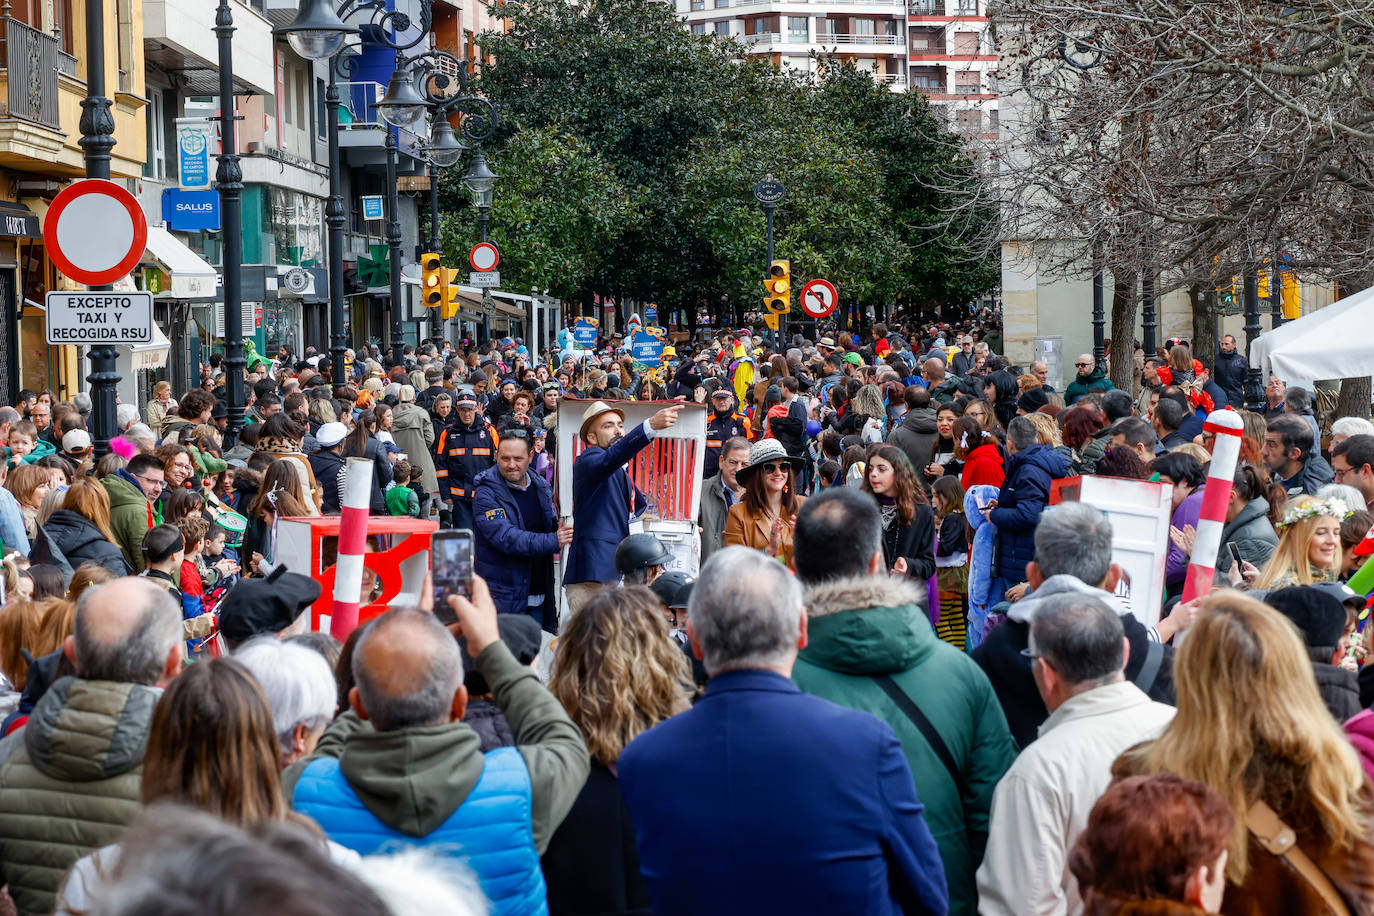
(466, 448)
(725, 424)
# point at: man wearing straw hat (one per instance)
(604, 499)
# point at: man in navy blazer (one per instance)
(604, 499)
(761, 799)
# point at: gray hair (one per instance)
(1345, 426)
(1021, 433)
(745, 611)
(1074, 539)
(1351, 496)
(1298, 399)
(8, 415)
(297, 682)
(1080, 637)
(138, 656)
(126, 415)
(433, 675)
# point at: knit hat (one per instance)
(853, 359)
(1318, 615)
(1033, 400)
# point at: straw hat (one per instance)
(596, 409)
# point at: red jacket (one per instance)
(983, 466)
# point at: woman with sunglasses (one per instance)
(765, 517)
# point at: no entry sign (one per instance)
(95, 231)
(818, 298)
(484, 256)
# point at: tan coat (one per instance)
(755, 530)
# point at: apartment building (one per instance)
(942, 48)
(952, 58)
(869, 32)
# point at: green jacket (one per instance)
(413, 779)
(1080, 386)
(131, 516)
(72, 784)
(866, 626)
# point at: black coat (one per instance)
(1000, 657)
(327, 466)
(916, 542)
(1229, 374)
(1025, 494)
(1339, 688)
(67, 540)
(591, 867)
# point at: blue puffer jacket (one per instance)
(1024, 495)
(503, 545)
(490, 830)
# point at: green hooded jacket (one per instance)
(861, 627)
(131, 515)
(1096, 381)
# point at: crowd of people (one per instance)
(906, 676)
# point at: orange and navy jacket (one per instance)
(719, 430)
(460, 454)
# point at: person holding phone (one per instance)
(604, 498)
(516, 532)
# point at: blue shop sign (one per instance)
(190, 211)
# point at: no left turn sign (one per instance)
(819, 298)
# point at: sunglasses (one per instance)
(774, 467)
(1083, 365)
(518, 433)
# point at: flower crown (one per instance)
(1335, 508)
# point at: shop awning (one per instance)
(152, 355)
(192, 277)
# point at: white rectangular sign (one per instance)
(484, 278)
(99, 317)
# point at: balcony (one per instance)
(837, 40)
(883, 4)
(36, 59)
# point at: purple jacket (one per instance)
(1176, 564)
(1360, 730)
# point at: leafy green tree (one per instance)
(628, 148)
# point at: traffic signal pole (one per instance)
(782, 319)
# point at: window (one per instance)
(993, 120)
(698, 5)
(966, 43)
(967, 7)
(321, 112)
(796, 29)
(156, 165)
(863, 29)
(928, 80)
(970, 121)
(723, 28)
(927, 7)
(966, 82)
(722, 4)
(698, 28)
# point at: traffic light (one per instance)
(449, 292)
(779, 286)
(431, 277)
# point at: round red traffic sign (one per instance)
(484, 256)
(95, 231)
(819, 298)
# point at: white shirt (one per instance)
(1041, 804)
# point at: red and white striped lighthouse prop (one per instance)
(348, 573)
(1227, 427)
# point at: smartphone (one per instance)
(1235, 554)
(451, 562)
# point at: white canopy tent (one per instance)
(1330, 343)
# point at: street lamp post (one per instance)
(1254, 388)
(229, 180)
(334, 217)
(393, 243)
(97, 139)
(481, 184)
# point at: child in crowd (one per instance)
(400, 498)
(417, 485)
(164, 549)
(23, 438)
(951, 559)
(193, 529)
(218, 562)
(829, 470)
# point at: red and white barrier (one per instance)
(348, 574)
(1227, 427)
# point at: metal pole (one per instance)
(1254, 388)
(437, 329)
(768, 270)
(229, 179)
(97, 139)
(1276, 293)
(483, 221)
(393, 241)
(1099, 317)
(334, 218)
